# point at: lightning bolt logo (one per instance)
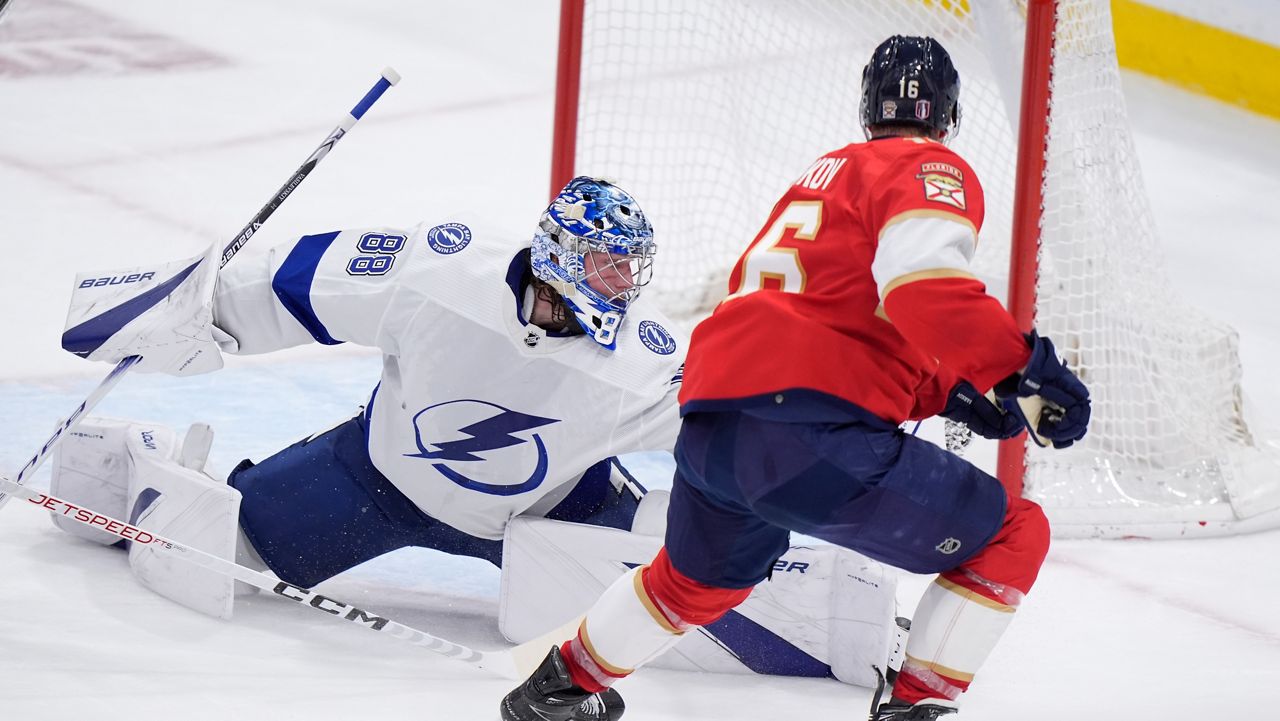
(494, 432)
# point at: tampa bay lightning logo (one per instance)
(656, 338)
(459, 433)
(448, 238)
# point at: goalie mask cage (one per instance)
(708, 109)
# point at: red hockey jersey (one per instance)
(857, 287)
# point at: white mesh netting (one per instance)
(708, 109)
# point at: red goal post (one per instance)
(708, 109)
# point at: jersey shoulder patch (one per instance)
(448, 238)
(655, 337)
(942, 183)
(928, 176)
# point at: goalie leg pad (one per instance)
(826, 611)
(188, 507)
(651, 516)
(91, 468)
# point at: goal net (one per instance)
(708, 110)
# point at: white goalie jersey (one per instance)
(479, 416)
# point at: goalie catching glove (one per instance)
(163, 313)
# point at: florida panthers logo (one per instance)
(943, 183)
(468, 433)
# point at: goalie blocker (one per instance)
(825, 611)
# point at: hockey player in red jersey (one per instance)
(851, 312)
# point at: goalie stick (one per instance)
(388, 78)
(513, 664)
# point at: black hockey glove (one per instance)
(1065, 416)
(966, 405)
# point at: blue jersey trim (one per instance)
(519, 276)
(292, 283)
(91, 334)
(517, 272)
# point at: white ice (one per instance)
(164, 128)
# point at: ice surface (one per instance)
(144, 130)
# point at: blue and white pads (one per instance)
(186, 506)
(827, 611)
(91, 470)
(140, 473)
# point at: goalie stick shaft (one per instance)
(498, 662)
(388, 78)
(85, 406)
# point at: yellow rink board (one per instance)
(1188, 53)
(1199, 57)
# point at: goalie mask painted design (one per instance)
(595, 248)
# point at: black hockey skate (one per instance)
(904, 712)
(890, 711)
(549, 695)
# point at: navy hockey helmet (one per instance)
(595, 247)
(911, 81)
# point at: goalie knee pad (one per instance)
(651, 514)
(188, 507)
(91, 469)
(139, 473)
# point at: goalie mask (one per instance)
(595, 248)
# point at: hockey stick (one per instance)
(388, 78)
(501, 662)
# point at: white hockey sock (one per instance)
(624, 630)
(953, 632)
